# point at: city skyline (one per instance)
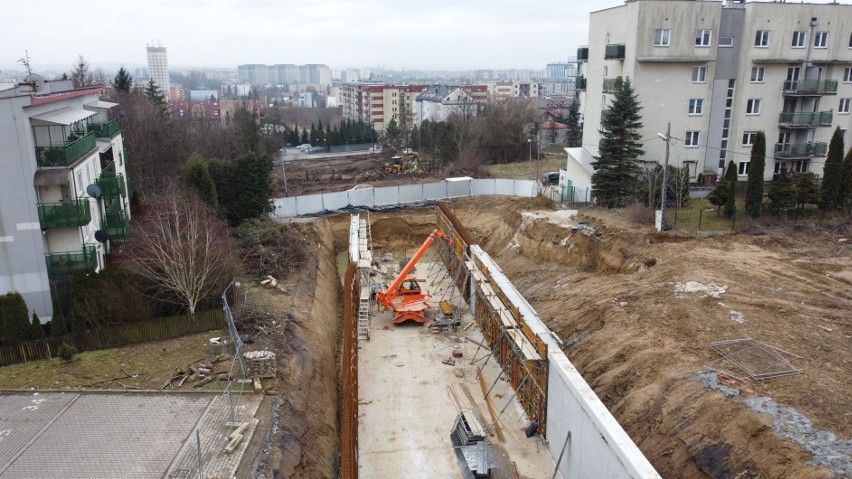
(441, 35)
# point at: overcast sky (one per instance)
(432, 34)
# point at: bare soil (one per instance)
(612, 299)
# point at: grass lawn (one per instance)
(698, 212)
(152, 363)
(520, 169)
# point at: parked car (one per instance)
(304, 147)
(551, 178)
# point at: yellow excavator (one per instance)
(408, 162)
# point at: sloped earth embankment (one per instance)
(638, 311)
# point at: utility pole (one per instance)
(529, 174)
(664, 199)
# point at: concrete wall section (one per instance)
(598, 446)
(386, 196)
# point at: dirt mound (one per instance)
(637, 312)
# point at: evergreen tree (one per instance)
(320, 133)
(730, 208)
(392, 133)
(846, 185)
(756, 166)
(152, 91)
(57, 322)
(807, 192)
(313, 138)
(304, 139)
(243, 186)
(614, 179)
(574, 132)
(782, 192)
(415, 138)
(122, 82)
(2, 319)
(15, 318)
(196, 177)
(719, 195)
(77, 322)
(831, 190)
(37, 331)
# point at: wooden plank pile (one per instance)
(198, 373)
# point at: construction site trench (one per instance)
(637, 312)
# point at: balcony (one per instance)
(615, 51)
(802, 119)
(105, 130)
(71, 262)
(580, 83)
(810, 87)
(611, 85)
(66, 153)
(115, 222)
(800, 150)
(67, 214)
(112, 185)
(583, 54)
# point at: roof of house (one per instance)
(583, 157)
(436, 93)
(553, 124)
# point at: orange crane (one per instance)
(405, 296)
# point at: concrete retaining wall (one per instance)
(399, 195)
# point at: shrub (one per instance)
(67, 352)
(270, 248)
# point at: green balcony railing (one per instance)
(115, 222)
(109, 170)
(805, 118)
(810, 87)
(112, 185)
(583, 53)
(580, 83)
(64, 214)
(105, 130)
(615, 51)
(800, 150)
(611, 85)
(66, 153)
(71, 262)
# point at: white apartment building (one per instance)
(63, 196)
(279, 74)
(158, 68)
(438, 102)
(378, 103)
(720, 72)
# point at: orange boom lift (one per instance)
(404, 296)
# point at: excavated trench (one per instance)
(607, 292)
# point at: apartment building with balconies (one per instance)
(64, 200)
(378, 103)
(721, 71)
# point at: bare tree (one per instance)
(182, 249)
(80, 75)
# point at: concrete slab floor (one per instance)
(409, 400)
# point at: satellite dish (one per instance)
(102, 236)
(36, 80)
(94, 191)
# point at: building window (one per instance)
(748, 138)
(757, 74)
(847, 75)
(820, 39)
(761, 38)
(845, 104)
(699, 74)
(742, 168)
(702, 38)
(691, 140)
(661, 37)
(726, 42)
(799, 39)
(696, 106)
(753, 106)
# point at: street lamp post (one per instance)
(529, 142)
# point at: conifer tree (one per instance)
(846, 184)
(57, 322)
(807, 192)
(122, 82)
(782, 192)
(37, 331)
(574, 132)
(757, 164)
(196, 177)
(614, 179)
(15, 318)
(730, 207)
(831, 190)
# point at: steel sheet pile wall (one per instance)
(454, 258)
(349, 377)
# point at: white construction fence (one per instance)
(389, 196)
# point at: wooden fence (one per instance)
(114, 336)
